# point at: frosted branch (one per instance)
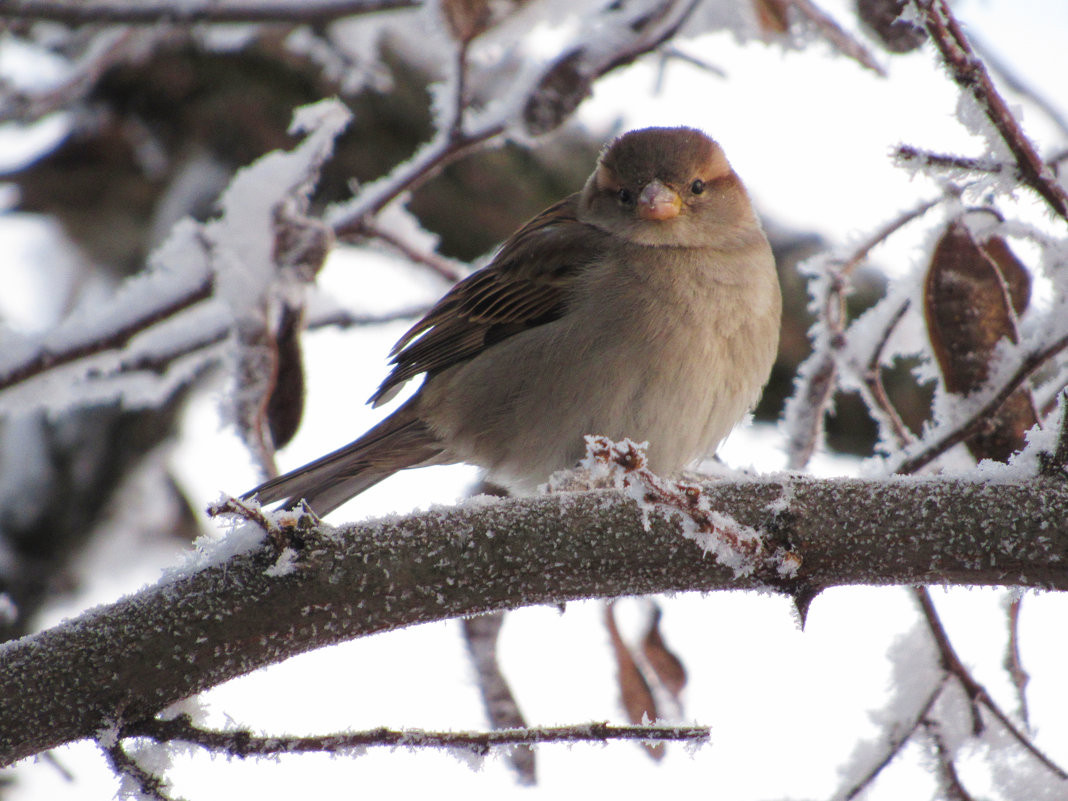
(234, 613)
(943, 438)
(975, 691)
(154, 12)
(970, 74)
(242, 743)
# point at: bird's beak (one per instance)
(658, 202)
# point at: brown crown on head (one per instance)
(674, 155)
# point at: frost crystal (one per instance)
(741, 548)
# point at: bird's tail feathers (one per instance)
(401, 440)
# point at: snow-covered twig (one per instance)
(817, 376)
(154, 12)
(116, 339)
(896, 739)
(242, 743)
(969, 72)
(446, 268)
(739, 547)
(975, 691)
(942, 439)
(148, 784)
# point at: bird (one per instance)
(645, 306)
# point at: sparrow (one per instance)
(647, 306)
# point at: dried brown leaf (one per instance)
(285, 407)
(973, 293)
(635, 693)
(665, 663)
(882, 19)
(771, 16)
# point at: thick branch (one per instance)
(127, 661)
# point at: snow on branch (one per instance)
(206, 282)
(183, 12)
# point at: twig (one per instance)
(967, 69)
(153, 12)
(899, 735)
(873, 380)
(342, 318)
(150, 785)
(820, 381)
(1018, 85)
(907, 154)
(951, 786)
(105, 50)
(442, 266)
(840, 39)
(242, 743)
(410, 175)
(1013, 663)
(1030, 363)
(480, 634)
(975, 691)
(114, 340)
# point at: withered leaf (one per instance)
(973, 292)
(883, 19)
(285, 407)
(634, 690)
(667, 666)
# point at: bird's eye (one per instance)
(625, 197)
(697, 187)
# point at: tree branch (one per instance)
(243, 743)
(967, 69)
(153, 12)
(127, 661)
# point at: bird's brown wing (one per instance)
(526, 285)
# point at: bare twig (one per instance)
(948, 779)
(873, 380)
(153, 12)
(967, 69)
(242, 743)
(447, 269)
(503, 711)
(1013, 663)
(839, 38)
